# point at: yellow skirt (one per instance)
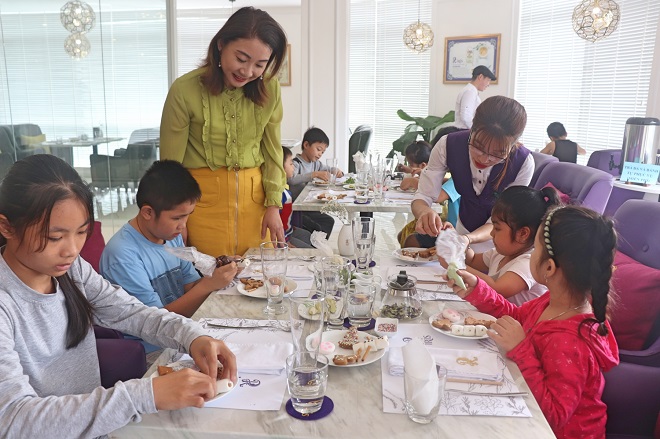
(227, 219)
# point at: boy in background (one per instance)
(307, 166)
(562, 148)
(135, 257)
(295, 236)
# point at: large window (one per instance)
(592, 88)
(384, 75)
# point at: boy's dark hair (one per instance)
(286, 153)
(418, 152)
(246, 23)
(556, 129)
(522, 206)
(483, 70)
(165, 185)
(315, 135)
(28, 194)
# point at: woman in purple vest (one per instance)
(483, 162)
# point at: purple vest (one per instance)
(475, 210)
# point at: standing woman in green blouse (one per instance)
(222, 122)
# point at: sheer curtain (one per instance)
(384, 75)
(592, 88)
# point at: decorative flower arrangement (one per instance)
(336, 210)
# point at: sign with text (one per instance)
(640, 173)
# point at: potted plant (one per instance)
(420, 126)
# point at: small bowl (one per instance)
(386, 329)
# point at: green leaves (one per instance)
(420, 126)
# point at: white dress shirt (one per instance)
(467, 102)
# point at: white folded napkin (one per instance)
(261, 358)
(420, 365)
(461, 364)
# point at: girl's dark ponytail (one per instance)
(550, 196)
(604, 240)
(78, 309)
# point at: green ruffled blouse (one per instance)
(201, 130)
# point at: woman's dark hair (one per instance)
(315, 135)
(28, 194)
(499, 121)
(443, 132)
(556, 129)
(418, 152)
(583, 244)
(246, 23)
(165, 185)
(522, 206)
(286, 153)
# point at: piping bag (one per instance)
(451, 247)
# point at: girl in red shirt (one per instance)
(561, 341)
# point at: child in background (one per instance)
(295, 236)
(417, 155)
(516, 216)
(562, 148)
(49, 299)
(308, 166)
(561, 341)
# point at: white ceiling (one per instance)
(49, 6)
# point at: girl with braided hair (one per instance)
(561, 341)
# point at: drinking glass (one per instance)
(364, 241)
(274, 257)
(307, 380)
(332, 168)
(362, 187)
(360, 304)
(424, 395)
(337, 273)
(307, 316)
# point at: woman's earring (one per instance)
(219, 64)
(261, 77)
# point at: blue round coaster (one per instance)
(371, 264)
(356, 202)
(370, 326)
(326, 408)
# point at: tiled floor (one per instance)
(115, 207)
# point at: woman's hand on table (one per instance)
(507, 332)
(183, 388)
(272, 222)
(429, 223)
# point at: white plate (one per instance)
(178, 365)
(260, 293)
(337, 336)
(464, 314)
(405, 191)
(334, 195)
(302, 310)
(349, 187)
(399, 255)
(321, 183)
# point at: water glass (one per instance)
(316, 268)
(364, 242)
(332, 168)
(274, 257)
(337, 273)
(360, 304)
(362, 187)
(307, 316)
(423, 396)
(307, 380)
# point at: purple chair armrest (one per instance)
(647, 357)
(101, 332)
(120, 360)
(632, 399)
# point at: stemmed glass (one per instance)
(274, 256)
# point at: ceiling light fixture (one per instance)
(77, 17)
(418, 36)
(594, 20)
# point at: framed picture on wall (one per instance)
(284, 75)
(463, 54)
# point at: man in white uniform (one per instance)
(468, 99)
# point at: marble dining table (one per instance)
(356, 391)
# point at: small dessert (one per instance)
(409, 253)
(469, 330)
(340, 360)
(472, 321)
(252, 284)
(349, 339)
(457, 330)
(223, 260)
(443, 324)
(164, 370)
(427, 253)
(327, 347)
(480, 330)
(451, 315)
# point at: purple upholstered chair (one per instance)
(632, 389)
(608, 160)
(119, 359)
(540, 161)
(585, 186)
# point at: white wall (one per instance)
(454, 18)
